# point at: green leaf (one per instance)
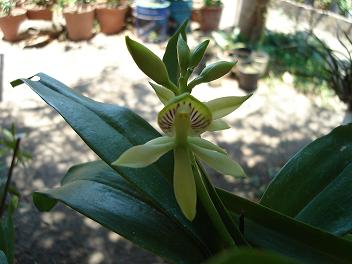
(315, 185)
(143, 155)
(212, 72)
(197, 53)
(98, 192)
(3, 259)
(7, 230)
(200, 142)
(107, 130)
(270, 230)
(218, 161)
(248, 256)
(217, 125)
(223, 106)
(163, 93)
(183, 54)
(184, 184)
(148, 62)
(170, 55)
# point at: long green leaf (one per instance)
(246, 256)
(7, 230)
(109, 130)
(98, 192)
(267, 229)
(315, 185)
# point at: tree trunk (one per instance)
(252, 19)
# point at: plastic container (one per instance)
(179, 12)
(151, 19)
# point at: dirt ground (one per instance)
(274, 124)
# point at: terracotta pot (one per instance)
(247, 79)
(111, 20)
(10, 25)
(196, 15)
(210, 18)
(79, 25)
(40, 14)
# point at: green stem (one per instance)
(220, 207)
(172, 87)
(210, 208)
(9, 175)
(183, 84)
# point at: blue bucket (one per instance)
(152, 20)
(180, 11)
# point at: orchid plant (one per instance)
(179, 214)
(183, 120)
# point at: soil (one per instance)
(271, 126)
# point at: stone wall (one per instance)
(315, 18)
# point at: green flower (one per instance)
(183, 120)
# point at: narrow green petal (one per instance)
(143, 155)
(221, 107)
(184, 184)
(161, 140)
(163, 93)
(219, 161)
(217, 125)
(205, 144)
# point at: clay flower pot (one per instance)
(111, 20)
(40, 14)
(248, 76)
(10, 25)
(210, 18)
(79, 24)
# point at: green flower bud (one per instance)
(183, 54)
(212, 72)
(198, 53)
(148, 62)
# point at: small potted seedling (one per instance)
(40, 10)
(10, 19)
(79, 17)
(210, 15)
(111, 16)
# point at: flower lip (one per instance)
(198, 113)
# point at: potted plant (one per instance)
(338, 67)
(250, 67)
(10, 19)
(210, 15)
(180, 10)
(111, 16)
(79, 17)
(40, 10)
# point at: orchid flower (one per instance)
(183, 119)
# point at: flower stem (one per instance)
(210, 208)
(9, 175)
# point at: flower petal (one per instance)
(163, 93)
(219, 161)
(205, 144)
(144, 155)
(199, 114)
(184, 183)
(217, 125)
(223, 106)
